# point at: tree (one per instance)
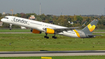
(79, 19)
(0, 14)
(38, 18)
(43, 17)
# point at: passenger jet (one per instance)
(37, 27)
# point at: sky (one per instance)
(54, 7)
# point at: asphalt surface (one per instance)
(50, 53)
(43, 52)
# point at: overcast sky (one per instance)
(54, 7)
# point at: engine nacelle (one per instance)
(49, 31)
(35, 31)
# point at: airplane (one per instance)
(38, 27)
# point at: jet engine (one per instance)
(49, 31)
(35, 31)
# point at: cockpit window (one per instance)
(6, 17)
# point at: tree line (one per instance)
(63, 20)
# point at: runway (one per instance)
(50, 53)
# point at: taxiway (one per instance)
(50, 53)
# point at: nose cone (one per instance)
(3, 20)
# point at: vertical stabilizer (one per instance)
(90, 27)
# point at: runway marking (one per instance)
(46, 57)
(50, 53)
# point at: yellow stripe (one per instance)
(46, 57)
(77, 33)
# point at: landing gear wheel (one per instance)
(46, 37)
(54, 37)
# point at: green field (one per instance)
(58, 57)
(37, 42)
(99, 30)
(14, 30)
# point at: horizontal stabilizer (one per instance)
(93, 35)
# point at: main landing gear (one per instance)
(54, 36)
(48, 37)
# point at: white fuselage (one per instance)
(37, 25)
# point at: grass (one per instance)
(58, 57)
(99, 30)
(37, 42)
(15, 30)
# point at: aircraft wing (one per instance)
(58, 30)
